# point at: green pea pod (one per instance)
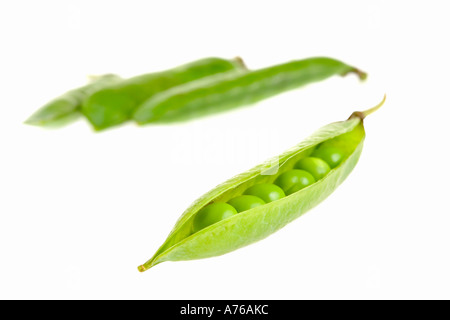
(200, 98)
(116, 104)
(68, 105)
(244, 228)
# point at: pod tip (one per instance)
(31, 121)
(142, 268)
(361, 74)
(93, 77)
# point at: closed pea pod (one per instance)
(69, 104)
(254, 224)
(201, 98)
(115, 104)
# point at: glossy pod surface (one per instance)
(115, 104)
(258, 222)
(69, 104)
(199, 98)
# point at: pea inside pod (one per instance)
(295, 177)
(246, 202)
(266, 191)
(331, 155)
(256, 223)
(212, 214)
(317, 167)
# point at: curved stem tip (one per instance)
(363, 114)
(361, 74)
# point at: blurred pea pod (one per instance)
(253, 205)
(116, 104)
(216, 94)
(67, 106)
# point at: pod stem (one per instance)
(240, 62)
(361, 74)
(363, 114)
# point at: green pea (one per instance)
(266, 191)
(296, 187)
(316, 166)
(211, 214)
(246, 202)
(331, 155)
(293, 177)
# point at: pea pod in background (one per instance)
(116, 104)
(200, 98)
(257, 203)
(68, 105)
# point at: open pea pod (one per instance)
(244, 228)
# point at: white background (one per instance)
(79, 211)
